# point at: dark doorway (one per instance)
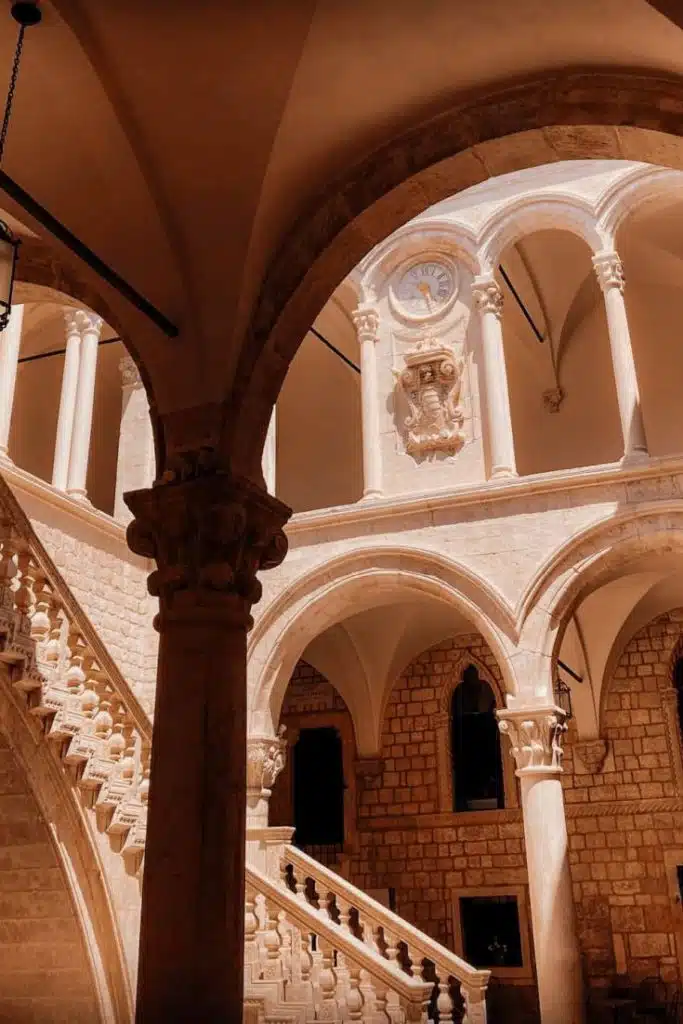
(318, 788)
(475, 746)
(490, 931)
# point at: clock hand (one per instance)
(427, 293)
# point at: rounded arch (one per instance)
(352, 583)
(84, 873)
(626, 196)
(589, 559)
(556, 211)
(559, 115)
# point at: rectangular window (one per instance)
(490, 931)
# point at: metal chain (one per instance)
(12, 87)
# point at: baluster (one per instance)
(53, 648)
(343, 975)
(328, 984)
(391, 952)
(444, 1002)
(316, 970)
(344, 908)
(383, 1010)
(250, 929)
(272, 942)
(368, 931)
(475, 1004)
(40, 619)
(354, 998)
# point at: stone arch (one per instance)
(557, 211)
(585, 562)
(627, 195)
(565, 114)
(85, 876)
(365, 578)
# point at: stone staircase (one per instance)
(316, 947)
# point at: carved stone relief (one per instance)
(431, 384)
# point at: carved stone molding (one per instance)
(366, 319)
(553, 399)
(592, 754)
(266, 757)
(369, 768)
(609, 270)
(431, 383)
(488, 298)
(209, 536)
(130, 375)
(536, 735)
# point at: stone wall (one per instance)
(44, 971)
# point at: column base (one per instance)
(371, 495)
(80, 496)
(503, 473)
(5, 458)
(635, 458)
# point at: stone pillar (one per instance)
(266, 756)
(366, 320)
(90, 325)
(610, 274)
(269, 460)
(210, 534)
(10, 343)
(536, 735)
(67, 401)
(488, 299)
(135, 467)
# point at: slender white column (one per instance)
(90, 325)
(488, 299)
(135, 468)
(10, 343)
(536, 735)
(610, 274)
(269, 459)
(67, 401)
(366, 320)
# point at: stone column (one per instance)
(488, 299)
(210, 534)
(610, 274)
(10, 343)
(269, 460)
(366, 320)
(90, 326)
(536, 735)
(135, 467)
(67, 401)
(266, 756)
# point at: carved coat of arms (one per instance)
(431, 384)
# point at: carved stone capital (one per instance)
(266, 757)
(210, 535)
(78, 321)
(488, 298)
(609, 270)
(130, 375)
(366, 319)
(592, 754)
(536, 735)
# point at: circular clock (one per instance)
(425, 289)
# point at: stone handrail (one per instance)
(297, 957)
(69, 686)
(354, 912)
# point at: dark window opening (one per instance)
(490, 931)
(678, 686)
(475, 746)
(679, 877)
(318, 788)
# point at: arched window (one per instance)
(678, 686)
(475, 746)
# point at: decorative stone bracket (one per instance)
(431, 383)
(266, 757)
(368, 769)
(536, 735)
(592, 754)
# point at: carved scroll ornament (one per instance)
(431, 383)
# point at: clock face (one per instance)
(425, 288)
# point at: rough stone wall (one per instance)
(44, 972)
(625, 908)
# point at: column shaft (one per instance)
(367, 324)
(85, 398)
(536, 734)
(209, 535)
(10, 343)
(489, 301)
(269, 460)
(609, 270)
(67, 402)
(135, 466)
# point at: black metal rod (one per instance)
(333, 348)
(521, 305)
(80, 249)
(570, 671)
(61, 351)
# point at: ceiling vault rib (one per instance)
(84, 253)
